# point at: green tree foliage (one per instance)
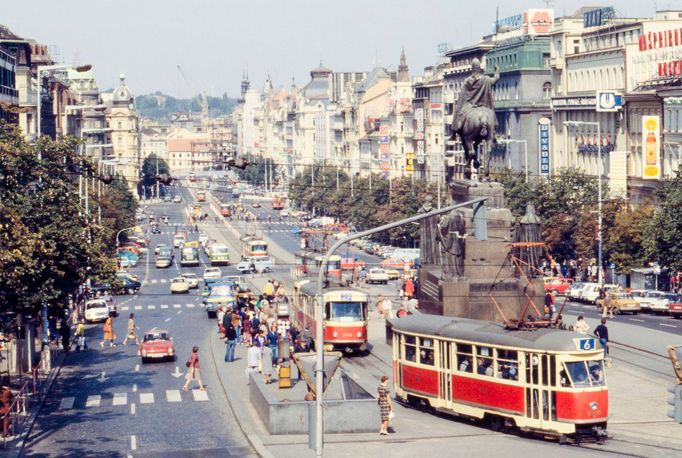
(47, 246)
(626, 230)
(160, 106)
(663, 243)
(255, 172)
(149, 168)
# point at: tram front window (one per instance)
(586, 373)
(347, 311)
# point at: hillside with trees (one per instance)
(160, 106)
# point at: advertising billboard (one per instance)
(651, 157)
(544, 140)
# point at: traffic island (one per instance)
(348, 406)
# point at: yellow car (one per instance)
(393, 274)
(179, 285)
(622, 303)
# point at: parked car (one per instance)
(192, 279)
(96, 310)
(212, 272)
(393, 274)
(557, 285)
(575, 290)
(641, 297)
(622, 303)
(377, 275)
(179, 285)
(675, 307)
(157, 344)
(167, 198)
(128, 283)
(590, 293)
(659, 301)
(177, 199)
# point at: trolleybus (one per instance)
(345, 315)
(541, 380)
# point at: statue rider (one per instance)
(476, 92)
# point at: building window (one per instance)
(547, 90)
(120, 125)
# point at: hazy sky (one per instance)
(214, 41)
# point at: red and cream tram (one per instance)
(541, 380)
(345, 315)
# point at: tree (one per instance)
(663, 240)
(255, 172)
(625, 236)
(151, 168)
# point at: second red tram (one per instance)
(345, 315)
(542, 380)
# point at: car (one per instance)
(377, 275)
(167, 198)
(203, 238)
(675, 308)
(255, 205)
(192, 279)
(178, 240)
(352, 263)
(96, 310)
(212, 272)
(393, 274)
(257, 263)
(557, 285)
(158, 248)
(157, 344)
(179, 285)
(574, 291)
(163, 261)
(123, 262)
(130, 257)
(156, 229)
(590, 292)
(284, 214)
(177, 199)
(129, 283)
(659, 300)
(220, 295)
(622, 303)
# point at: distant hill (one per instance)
(160, 106)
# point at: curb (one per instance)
(21, 443)
(252, 438)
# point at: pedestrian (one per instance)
(225, 323)
(65, 332)
(549, 305)
(273, 341)
(193, 370)
(266, 364)
(231, 341)
(132, 330)
(581, 325)
(387, 307)
(253, 356)
(402, 311)
(385, 404)
(602, 333)
(409, 287)
(607, 306)
(80, 336)
(109, 335)
(236, 323)
(363, 276)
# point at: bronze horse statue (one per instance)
(477, 128)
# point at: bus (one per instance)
(345, 315)
(219, 255)
(254, 247)
(538, 380)
(189, 256)
(201, 196)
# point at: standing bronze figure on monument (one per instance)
(474, 117)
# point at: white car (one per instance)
(212, 272)
(203, 238)
(658, 301)
(574, 291)
(177, 199)
(192, 279)
(178, 241)
(377, 276)
(284, 213)
(179, 285)
(590, 293)
(96, 310)
(158, 248)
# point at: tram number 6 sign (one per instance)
(586, 344)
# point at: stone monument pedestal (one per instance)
(486, 246)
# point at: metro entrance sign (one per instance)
(609, 101)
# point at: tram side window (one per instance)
(410, 348)
(426, 351)
(484, 361)
(464, 363)
(508, 364)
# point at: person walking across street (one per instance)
(602, 334)
(132, 330)
(607, 307)
(109, 335)
(80, 336)
(385, 404)
(193, 370)
(231, 341)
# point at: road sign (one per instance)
(609, 101)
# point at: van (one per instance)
(590, 292)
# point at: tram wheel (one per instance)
(496, 423)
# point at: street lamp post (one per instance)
(319, 329)
(525, 151)
(600, 201)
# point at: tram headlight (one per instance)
(359, 333)
(335, 334)
(594, 405)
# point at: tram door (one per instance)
(445, 372)
(540, 383)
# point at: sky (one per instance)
(215, 42)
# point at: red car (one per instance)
(675, 308)
(558, 285)
(352, 263)
(157, 344)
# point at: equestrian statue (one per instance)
(474, 117)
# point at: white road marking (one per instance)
(191, 306)
(138, 307)
(144, 282)
(123, 309)
(163, 280)
(173, 395)
(67, 403)
(151, 307)
(120, 399)
(667, 325)
(132, 408)
(200, 395)
(137, 368)
(164, 306)
(133, 442)
(134, 387)
(154, 281)
(93, 401)
(146, 398)
(167, 320)
(636, 319)
(176, 306)
(179, 312)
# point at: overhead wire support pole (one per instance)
(319, 329)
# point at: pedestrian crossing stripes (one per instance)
(189, 306)
(163, 280)
(127, 308)
(164, 306)
(124, 399)
(154, 281)
(138, 307)
(176, 306)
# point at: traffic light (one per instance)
(676, 401)
(240, 163)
